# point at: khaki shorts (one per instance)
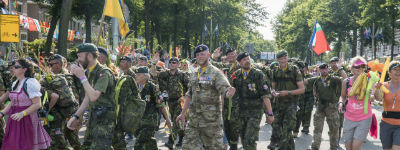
(356, 130)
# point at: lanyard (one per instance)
(394, 94)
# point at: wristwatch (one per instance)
(289, 93)
(270, 114)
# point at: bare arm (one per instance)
(53, 100)
(83, 106)
(343, 92)
(4, 97)
(343, 74)
(90, 92)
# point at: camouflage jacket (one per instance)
(229, 68)
(308, 86)
(251, 90)
(326, 90)
(58, 84)
(205, 89)
(150, 94)
(286, 79)
(176, 85)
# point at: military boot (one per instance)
(305, 130)
(295, 134)
(312, 148)
(233, 147)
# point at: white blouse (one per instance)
(32, 87)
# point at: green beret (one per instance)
(334, 59)
(323, 66)
(87, 47)
(281, 53)
(142, 69)
(200, 48)
(242, 55)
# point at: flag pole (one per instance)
(101, 24)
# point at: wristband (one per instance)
(23, 113)
(82, 78)
(83, 81)
(270, 113)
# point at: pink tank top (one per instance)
(355, 108)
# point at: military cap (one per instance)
(55, 56)
(334, 59)
(142, 69)
(242, 55)
(87, 47)
(200, 48)
(127, 58)
(174, 59)
(323, 66)
(281, 53)
(229, 49)
(274, 64)
(103, 51)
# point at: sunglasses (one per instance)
(17, 66)
(51, 64)
(358, 67)
(173, 62)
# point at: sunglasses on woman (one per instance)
(358, 67)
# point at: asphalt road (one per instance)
(302, 142)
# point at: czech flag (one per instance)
(318, 40)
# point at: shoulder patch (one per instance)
(265, 86)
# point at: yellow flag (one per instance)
(113, 8)
(170, 51)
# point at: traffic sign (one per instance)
(9, 28)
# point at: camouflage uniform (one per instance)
(341, 115)
(66, 105)
(231, 127)
(100, 129)
(128, 91)
(5, 85)
(327, 93)
(204, 129)
(149, 125)
(176, 86)
(251, 92)
(306, 104)
(285, 107)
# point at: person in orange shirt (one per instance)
(390, 124)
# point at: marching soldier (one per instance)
(149, 124)
(306, 104)
(287, 83)
(174, 82)
(327, 90)
(231, 125)
(253, 94)
(99, 86)
(60, 94)
(204, 129)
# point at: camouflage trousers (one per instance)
(285, 121)
(72, 137)
(303, 116)
(250, 126)
(332, 118)
(205, 137)
(341, 117)
(2, 125)
(55, 129)
(118, 141)
(232, 126)
(174, 110)
(100, 130)
(145, 139)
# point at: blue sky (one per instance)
(273, 8)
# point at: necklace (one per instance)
(394, 94)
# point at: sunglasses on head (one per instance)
(358, 67)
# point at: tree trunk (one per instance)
(88, 27)
(186, 46)
(146, 22)
(175, 24)
(361, 34)
(64, 23)
(49, 41)
(393, 32)
(354, 43)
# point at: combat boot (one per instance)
(305, 130)
(295, 134)
(312, 148)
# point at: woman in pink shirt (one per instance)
(357, 123)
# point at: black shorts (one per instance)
(389, 134)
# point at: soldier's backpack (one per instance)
(130, 111)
